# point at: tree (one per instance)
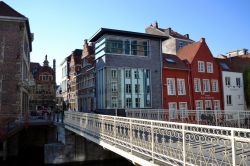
(246, 78)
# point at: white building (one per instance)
(233, 88)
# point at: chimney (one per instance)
(155, 24)
(85, 42)
(187, 36)
(202, 40)
(54, 64)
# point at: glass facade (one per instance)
(124, 90)
(121, 46)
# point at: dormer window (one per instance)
(201, 66)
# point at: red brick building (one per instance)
(176, 89)
(205, 78)
(43, 91)
(15, 48)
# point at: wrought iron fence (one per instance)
(162, 143)
(226, 118)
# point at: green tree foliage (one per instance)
(246, 77)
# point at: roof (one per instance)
(235, 64)
(173, 62)
(103, 31)
(166, 32)
(189, 51)
(6, 10)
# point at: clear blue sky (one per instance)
(60, 26)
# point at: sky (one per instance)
(60, 26)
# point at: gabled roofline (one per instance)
(103, 31)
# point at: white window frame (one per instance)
(128, 104)
(171, 86)
(227, 81)
(114, 87)
(127, 73)
(201, 66)
(201, 105)
(113, 74)
(197, 85)
(238, 80)
(210, 68)
(208, 104)
(181, 86)
(216, 107)
(114, 102)
(138, 102)
(172, 110)
(215, 85)
(206, 85)
(184, 110)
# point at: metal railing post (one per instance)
(184, 145)
(130, 135)
(152, 143)
(216, 120)
(238, 119)
(233, 148)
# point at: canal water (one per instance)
(33, 156)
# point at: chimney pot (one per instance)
(202, 40)
(155, 25)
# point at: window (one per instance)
(183, 108)
(114, 102)
(137, 88)
(137, 102)
(171, 86)
(197, 85)
(148, 89)
(181, 87)
(208, 104)
(215, 86)
(210, 67)
(238, 82)
(172, 110)
(128, 102)
(114, 46)
(114, 87)
(201, 67)
(114, 74)
(198, 105)
(206, 85)
(229, 100)
(127, 73)
(128, 88)
(136, 74)
(227, 81)
(216, 105)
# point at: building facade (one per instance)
(74, 68)
(128, 69)
(86, 80)
(64, 79)
(43, 93)
(176, 84)
(233, 85)
(175, 40)
(205, 77)
(15, 48)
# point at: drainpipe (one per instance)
(189, 88)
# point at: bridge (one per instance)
(156, 142)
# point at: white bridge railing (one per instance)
(149, 142)
(225, 118)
